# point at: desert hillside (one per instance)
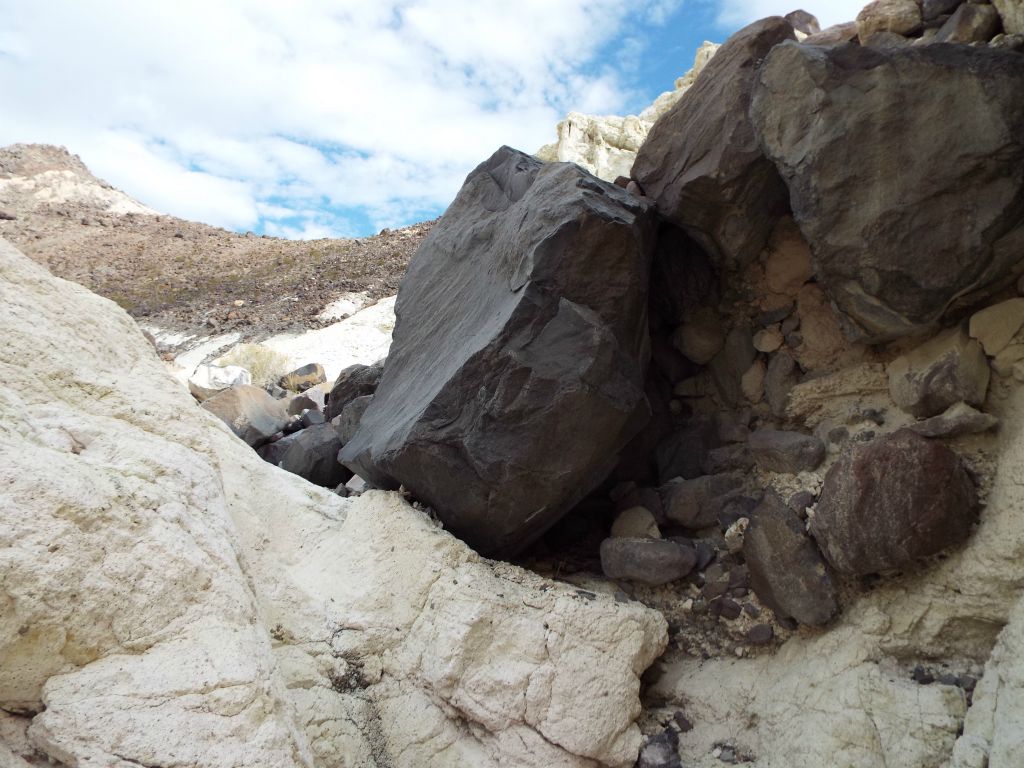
(183, 276)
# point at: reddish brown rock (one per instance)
(892, 500)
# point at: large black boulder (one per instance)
(516, 371)
(702, 162)
(905, 168)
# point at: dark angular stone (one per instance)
(355, 381)
(347, 423)
(683, 452)
(760, 634)
(273, 452)
(301, 403)
(697, 503)
(648, 561)
(889, 501)
(897, 251)
(702, 162)
(787, 572)
(516, 373)
(313, 454)
(790, 452)
(311, 418)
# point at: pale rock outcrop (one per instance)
(1012, 14)
(606, 145)
(167, 598)
(207, 380)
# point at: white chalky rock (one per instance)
(168, 598)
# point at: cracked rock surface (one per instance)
(168, 598)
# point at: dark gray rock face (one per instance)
(889, 501)
(313, 454)
(346, 424)
(355, 381)
(791, 452)
(787, 571)
(648, 561)
(702, 163)
(895, 250)
(521, 343)
(275, 451)
(251, 413)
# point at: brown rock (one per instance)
(971, 23)
(948, 369)
(250, 412)
(787, 264)
(303, 378)
(958, 419)
(902, 17)
(889, 501)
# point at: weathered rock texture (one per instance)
(890, 501)
(170, 599)
(947, 369)
(895, 250)
(516, 371)
(702, 162)
(606, 145)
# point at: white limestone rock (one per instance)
(168, 598)
(207, 380)
(607, 145)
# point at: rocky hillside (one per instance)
(181, 276)
(743, 434)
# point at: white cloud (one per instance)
(235, 110)
(736, 13)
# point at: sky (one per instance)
(333, 118)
